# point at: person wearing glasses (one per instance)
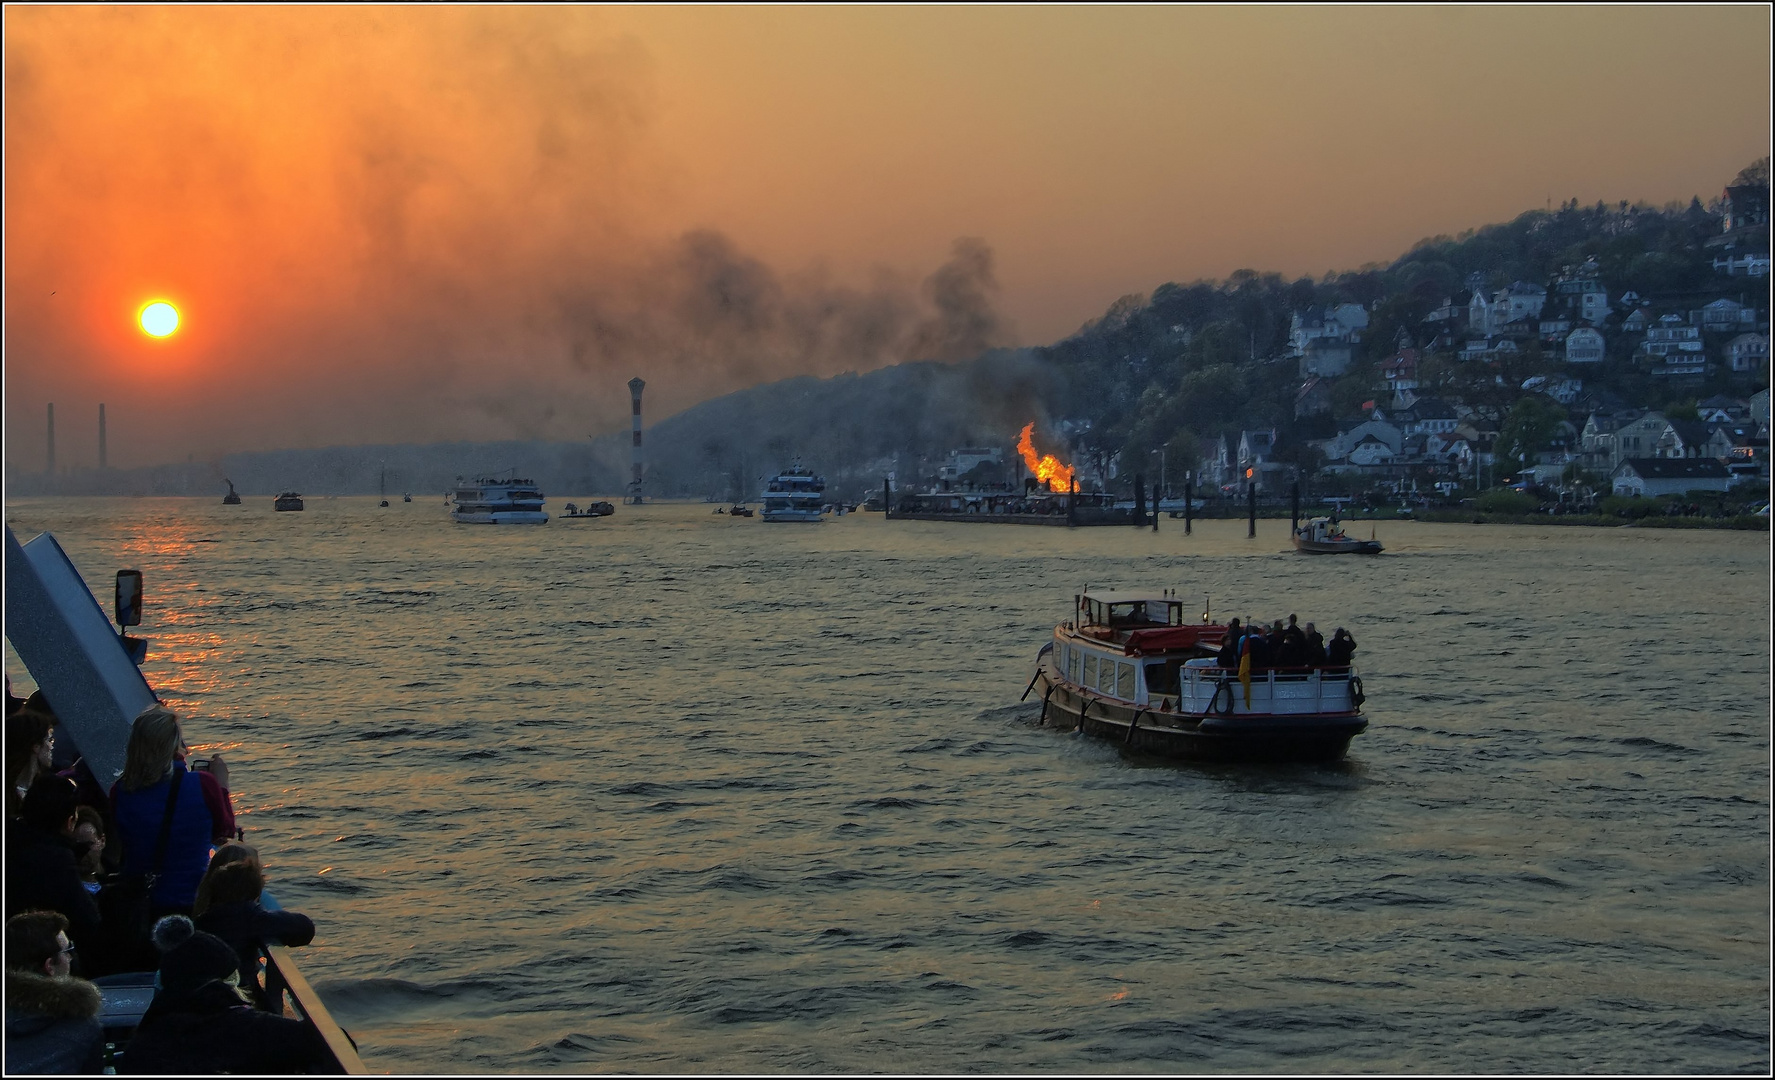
(52, 1021)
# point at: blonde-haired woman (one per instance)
(154, 782)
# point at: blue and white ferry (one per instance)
(490, 501)
(795, 494)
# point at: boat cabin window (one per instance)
(1090, 678)
(1134, 613)
(1125, 681)
(1106, 676)
(1162, 678)
(1072, 669)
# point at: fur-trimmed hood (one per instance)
(33, 999)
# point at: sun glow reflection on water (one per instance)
(671, 791)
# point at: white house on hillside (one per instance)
(1669, 476)
(1584, 346)
(1748, 352)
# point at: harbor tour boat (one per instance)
(497, 501)
(1325, 536)
(289, 500)
(1128, 667)
(795, 494)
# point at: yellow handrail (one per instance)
(282, 974)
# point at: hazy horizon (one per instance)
(413, 225)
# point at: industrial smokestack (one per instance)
(636, 385)
(49, 460)
(101, 434)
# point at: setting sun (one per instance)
(160, 319)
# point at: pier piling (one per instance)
(1251, 506)
(1294, 523)
(1189, 490)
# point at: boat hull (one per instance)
(791, 515)
(1190, 737)
(502, 517)
(1337, 547)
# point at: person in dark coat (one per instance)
(236, 915)
(1228, 657)
(43, 863)
(201, 1022)
(1315, 650)
(1342, 647)
(51, 1017)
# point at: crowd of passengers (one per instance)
(1283, 646)
(149, 875)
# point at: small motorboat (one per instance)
(1325, 536)
(590, 510)
(740, 510)
(288, 500)
(233, 497)
(407, 497)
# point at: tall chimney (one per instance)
(101, 434)
(49, 461)
(636, 385)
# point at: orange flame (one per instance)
(1047, 468)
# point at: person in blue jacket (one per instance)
(154, 772)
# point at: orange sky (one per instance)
(418, 223)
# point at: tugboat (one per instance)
(592, 510)
(289, 500)
(488, 501)
(1324, 536)
(233, 497)
(794, 495)
(1128, 668)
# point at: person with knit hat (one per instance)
(202, 1022)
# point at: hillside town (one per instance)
(1634, 370)
(1585, 438)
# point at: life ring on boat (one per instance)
(1356, 695)
(1226, 687)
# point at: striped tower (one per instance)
(636, 385)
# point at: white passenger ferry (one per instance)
(795, 494)
(1128, 667)
(489, 501)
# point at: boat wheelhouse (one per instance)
(795, 494)
(490, 501)
(1325, 536)
(1130, 667)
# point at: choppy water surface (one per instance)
(673, 791)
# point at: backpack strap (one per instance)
(166, 826)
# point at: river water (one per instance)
(672, 791)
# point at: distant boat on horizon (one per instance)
(289, 500)
(233, 497)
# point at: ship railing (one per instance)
(288, 987)
(1334, 679)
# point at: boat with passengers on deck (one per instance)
(91, 678)
(1129, 668)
